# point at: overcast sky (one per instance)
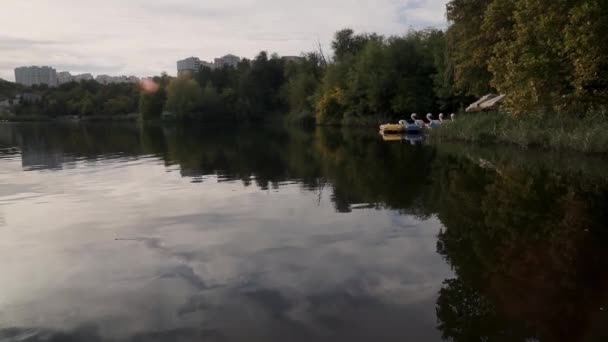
(146, 37)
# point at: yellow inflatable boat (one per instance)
(402, 127)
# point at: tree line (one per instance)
(369, 77)
(84, 98)
(549, 57)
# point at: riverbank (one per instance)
(68, 118)
(559, 133)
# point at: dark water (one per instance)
(120, 233)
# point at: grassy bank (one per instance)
(561, 133)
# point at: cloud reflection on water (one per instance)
(119, 249)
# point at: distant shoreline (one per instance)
(91, 118)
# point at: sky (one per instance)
(147, 37)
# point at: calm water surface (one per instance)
(122, 233)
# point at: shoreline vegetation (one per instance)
(549, 58)
(588, 134)
(9, 117)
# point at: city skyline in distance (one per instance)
(145, 38)
(29, 75)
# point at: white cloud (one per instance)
(145, 37)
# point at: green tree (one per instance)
(211, 103)
(385, 77)
(346, 43)
(184, 96)
(86, 106)
(586, 44)
(528, 63)
(151, 104)
(302, 81)
(468, 47)
(547, 56)
(118, 105)
(330, 107)
(259, 88)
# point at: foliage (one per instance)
(151, 104)
(152, 97)
(184, 96)
(346, 44)
(385, 77)
(259, 88)
(331, 107)
(8, 90)
(527, 247)
(467, 46)
(302, 81)
(558, 132)
(86, 98)
(548, 56)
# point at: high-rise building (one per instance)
(32, 75)
(228, 60)
(103, 79)
(107, 79)
(207, 65)
(64, 77)
(192, 65)
(83, 77)
(189, 65)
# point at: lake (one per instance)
(114, 232)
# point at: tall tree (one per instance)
(184, 96)
(528, 62)
(468, 46)
(586, 44)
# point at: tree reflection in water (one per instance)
(524, 233)
(527, 242)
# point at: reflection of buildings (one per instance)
(43, 146)
(36, 147)
(39, 159)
